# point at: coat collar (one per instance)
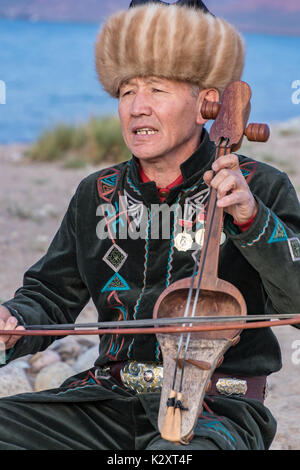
(192, 171)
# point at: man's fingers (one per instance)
(226, 186)
(231, 162)
(3, 339)
(13, 339)
(221, 168)
(231, 199)
(10, 324)
(208, 176)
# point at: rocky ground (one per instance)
(34, 198)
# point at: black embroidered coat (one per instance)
(118, 245)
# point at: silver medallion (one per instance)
(183, 241)
(199, 237)
(223, 238)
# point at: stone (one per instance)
(86, 360)
(67, 348)
(52, 376)
(43, 359)
(14, 380)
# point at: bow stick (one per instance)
(159, 325)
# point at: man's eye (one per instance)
(157, 90)
(125, 93)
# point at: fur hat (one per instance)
(173, 41)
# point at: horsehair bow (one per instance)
(159, 325)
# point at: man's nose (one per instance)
(140, 105)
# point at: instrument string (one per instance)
(187, 308)
(189, 299)
(202, 266)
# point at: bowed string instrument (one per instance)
(196, 319)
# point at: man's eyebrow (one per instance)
(126, 82)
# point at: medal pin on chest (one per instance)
(199, 237)
(183, 241)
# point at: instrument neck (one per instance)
(209, 260)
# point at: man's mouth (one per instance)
(145, 131)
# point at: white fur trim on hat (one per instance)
(171, 42)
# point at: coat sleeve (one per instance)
(272, 243)
(53, 290)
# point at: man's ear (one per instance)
(210, 94)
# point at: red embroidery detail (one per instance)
(107, 184)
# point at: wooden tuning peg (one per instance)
(254, 132)
(210, 109)
(257, 132)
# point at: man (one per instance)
(161, 62)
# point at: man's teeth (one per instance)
(145, 131)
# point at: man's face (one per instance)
(159, 118)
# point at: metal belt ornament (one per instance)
(142, 377)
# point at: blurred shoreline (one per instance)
(282, 151)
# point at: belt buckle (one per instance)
(142, 377)
(231, 386)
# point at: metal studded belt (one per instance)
(147, 377)
(141, 377)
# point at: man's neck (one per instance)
(163, 171)
(162, 175)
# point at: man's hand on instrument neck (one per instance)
(8, 322)
(232, 189)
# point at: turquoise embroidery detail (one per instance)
(157, 351)
(116, 282)
(116, 216)
(130, 348)
(279, 234)
(244, 245)
(133, 187)
(171, 252)
(111, 180)
(123, 310)
(193, 188)
(114, 349)
(245, 172)
(217, 426)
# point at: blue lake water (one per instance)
(49, 76)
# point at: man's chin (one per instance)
(149, 157)
(146, 152)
